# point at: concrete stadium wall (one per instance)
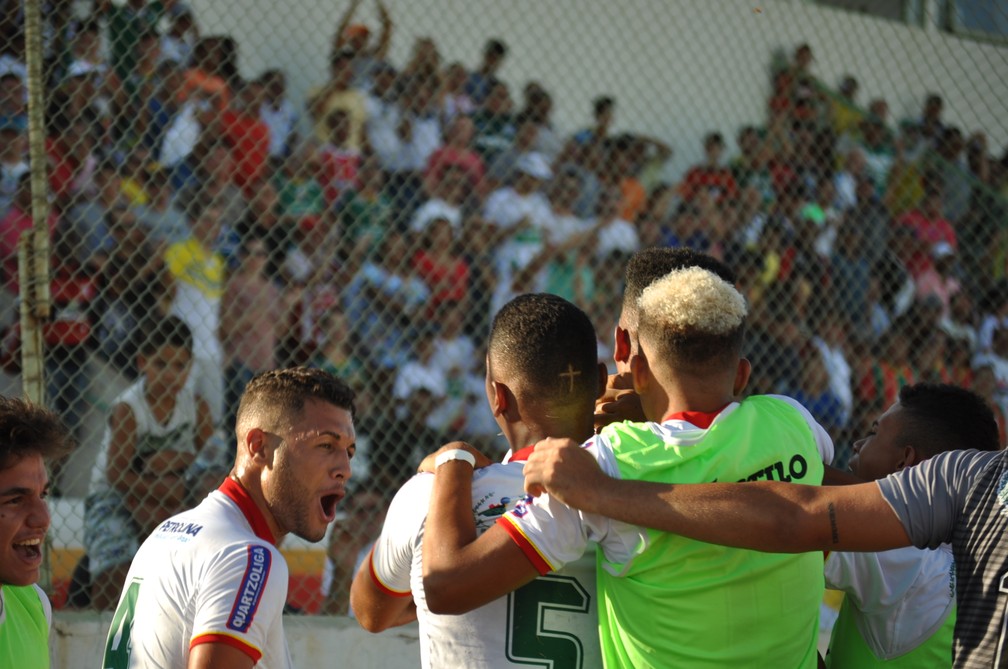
(678, 67)
(78, 640)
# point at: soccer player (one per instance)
(957, 497)
(899, 609)
(542, 378)
(208, 586)
(663, 600)
(29, 435)
(620, 402)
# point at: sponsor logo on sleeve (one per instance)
(250, 589)
(523, 506)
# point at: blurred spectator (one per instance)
(750, 168)
(207, 73)
(299, 191)
(481, 81)
(954, 173)
(154, 431)
(938, 279)
(814, 391)
(165, 221)
(404, 141)
(13, 108)
(355, 37)
(616, 235)
(137, 88)
(603, 110)
(179, 41)
(518, 216)
(928, 225)
(879, 386)
(86, 219)
(456, 151)
(134, 171)
(134, 285)
(845, 181)
(252, 314)
(364, 214)
(453, 101)
(821, 212)
(620, 169)
(440, 265)
(338, 95)
(162, 107)
(126, 22)
(844, 107)
(337, 351)
(423, 66)
(930, 123)
(711, 175)
(198, 271)
(872, 218)
(338, 161)
(446, 201)
(832, 342)
(850, 273)
(501, 170)
(421, 387)
(211, 179)
(70, 148)
(248, 134)
(495, 124)
(278, 113)
(383, 300)
(13, 160)
(181, 136)
(538, 107)
(17, 220)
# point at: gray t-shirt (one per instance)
(961, 497)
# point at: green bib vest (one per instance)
(685, 603)
(24, 630)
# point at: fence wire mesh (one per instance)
(238, 186)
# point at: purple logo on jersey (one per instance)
(521, 508)
(250, 589)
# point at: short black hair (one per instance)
(281, 393)
(942, 417)
(166, 331)
(603, 104)
(650, 264)
(495, 47)
(548, 346)
(27, 428)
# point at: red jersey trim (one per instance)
(527, 547)
(227, 640)
(701, 419)
(522, 454)
(237, 494)
(378, 582)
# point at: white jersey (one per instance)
(552, 621)
(178, 434)
(900, 597)
(208, 575)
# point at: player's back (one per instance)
(551, 621)
(719, 606)
(209, 574)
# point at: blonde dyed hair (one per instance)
(693, 317)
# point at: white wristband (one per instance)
(455, 454)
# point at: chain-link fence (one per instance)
(359, 187)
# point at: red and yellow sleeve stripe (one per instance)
(530, 550)
(227, 640)
(391, 592)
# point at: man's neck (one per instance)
(529, 432)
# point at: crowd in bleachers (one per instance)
(373, 228)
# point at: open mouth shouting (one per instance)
(29, 550)
(328, 503)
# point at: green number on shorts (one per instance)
(529, 640)
(117, 647)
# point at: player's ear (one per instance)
(742, 374)
(603, 379)
(499, 398)
(621, 351)
(640, 371)
(910, 457)
(254, 444)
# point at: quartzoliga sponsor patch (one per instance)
(250, 589)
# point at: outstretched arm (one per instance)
(764, 515)
(461, 572)
(339, 39)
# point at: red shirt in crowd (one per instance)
(467, 159)
(929, 231)
(11, 227)
(718, 180)
(250, 138)
(448, 281)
